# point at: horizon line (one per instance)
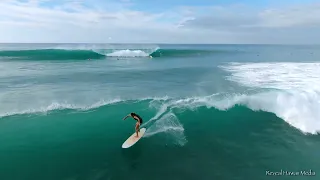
(155, 43)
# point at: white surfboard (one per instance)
(133, 139)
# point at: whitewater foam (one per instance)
(286, 76)
(112, 47)
(128, 53)
(298, 102)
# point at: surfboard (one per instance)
(132, 139)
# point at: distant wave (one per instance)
(85, 54)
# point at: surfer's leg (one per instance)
(137, 128)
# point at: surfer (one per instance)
(137, 118)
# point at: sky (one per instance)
(165, 21)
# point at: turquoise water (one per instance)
(211, 111)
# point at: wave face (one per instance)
(161, 115)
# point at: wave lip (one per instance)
(59, 106)
(51, 54)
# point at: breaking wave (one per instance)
(96, 53)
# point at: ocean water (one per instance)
(226, 112)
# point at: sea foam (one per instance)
(297, 102)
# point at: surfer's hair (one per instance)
(133, 114)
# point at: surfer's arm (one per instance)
(126, 117)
